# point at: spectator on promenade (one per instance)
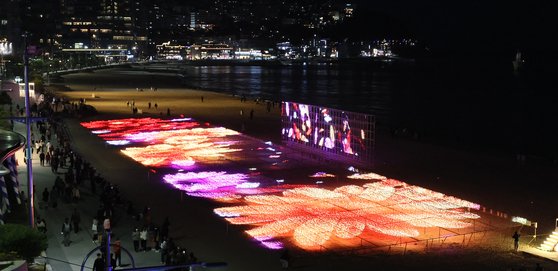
(76, 218)
(106, 224)
(117, 252)
(165, 229)
(46, 195)
(66, 229)
(54, 196)
(41, 225)
(42, 158)
(112, 261)
(136, 239)
(95, 229)
(143, 239)
(164, 250)
(76, 195)
(47, 158)
(99, 264)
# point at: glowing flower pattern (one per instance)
(308, 214)
(314, 215)
(117, 130)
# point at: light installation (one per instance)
(308, 215)
(172, 143)
(220, 185)
(117, 130)
(313, 215)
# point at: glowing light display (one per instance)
(221, 185)
(367, 176)
(308, 215)
(115, 130)
(322, 175)
(204, 181)
(313, 215)
(173, 143)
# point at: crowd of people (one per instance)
(51, 143)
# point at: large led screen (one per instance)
(332, 131)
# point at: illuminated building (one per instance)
(211, 51)
(168, 51)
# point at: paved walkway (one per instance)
(63, 258)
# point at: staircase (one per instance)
(550, 243)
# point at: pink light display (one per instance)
(322, 175)
(175, 143)
(116, 130)
(221, 186)
(313, 215)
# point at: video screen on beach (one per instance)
(331, 130)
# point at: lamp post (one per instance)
(28, 153)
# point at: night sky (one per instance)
(494, 25)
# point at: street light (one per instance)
(28, 153)
(5, 49)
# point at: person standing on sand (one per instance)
(515, 237)
(285, 259)
(202, 99)
(168, 111)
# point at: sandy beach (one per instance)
(218, 109)
(461, 173)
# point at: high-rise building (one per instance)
(102, 25)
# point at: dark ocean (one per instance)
(469, 102)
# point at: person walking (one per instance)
(143, 239)
(95, 230)
(46, 195)
(54, 195)
(66, 229)
(76, 218)
(42, 158)
(515, 237)
(136, 239)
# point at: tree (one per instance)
(25, 242)
(5, 98)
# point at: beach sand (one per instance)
(218, 109)
(462, 173)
